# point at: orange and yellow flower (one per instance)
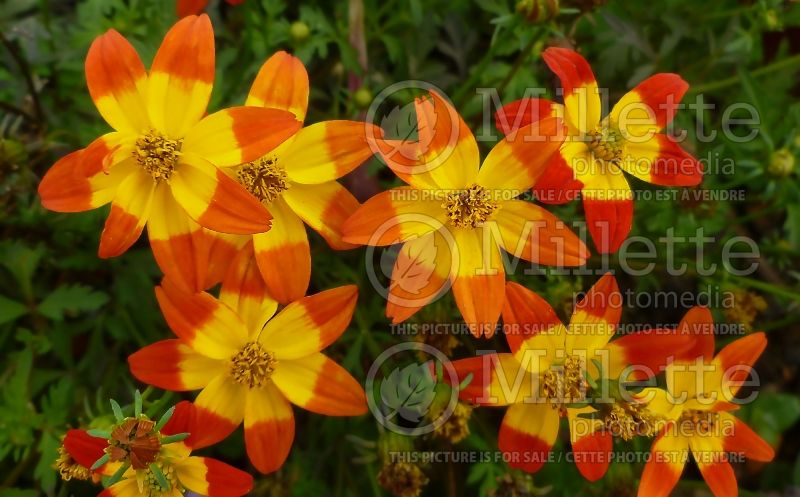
(698, 403)
(592, 159)
(181, 472)
(297, 181)
(543, 379)
(159, 167)
(250, 365)
(455, 215)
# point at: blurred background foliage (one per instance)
(68, 320)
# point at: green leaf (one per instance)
(408, 392)
(22, 261)
(11, 310)
(71, 299)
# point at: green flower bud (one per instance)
(781, 164)
(299, 31)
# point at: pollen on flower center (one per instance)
(68, 468)
(252, 366)
(698, 422)
(150, 481)
(606, 142)
(469, 208)
(263, 178)
(627, 420)
(157, 154)
(564, 384)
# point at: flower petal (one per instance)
(520, 159)
(445, 155)
(581, 95)
(497, 380)
(244, 290)
(281, 83)
(205, 324)
(527, 434)
(220, 409)
(394, 216)
(559, 183)
(531, 324)
(522, 112)
(216, 201)
(608, 205)
(130, 211)
(591, 445)
(744, 440)
(84, 448)
(181, 77)
(239, 134)
(529, 232)
(595, 318)
(268, 428)
(324, 207)
(283, 254)
(420, 274)
(712, 461)
(650, 106)
(180, 246)
(310, 324)
(327, 150)
(117, 82)
(664, 468)
(206, 476)
(661, 160)
(734, 362)
(173, 365)
(479, 285)
(318, 384)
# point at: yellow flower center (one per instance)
(263, 178)
(565, 383)
(627, 420)
(68, 468)
(252, 366)
(469, 208)
(698, 422)
(606, 142)
(150, 485)
(157, 154)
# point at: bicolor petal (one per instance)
(220, 409)
(243, 289)
(531, 324)
(179, 86)
(608, 206)
(527, 435)
(650, 106)
(665, 466)
(660, 160)
(519, 160)
(394, 216)
(325, 208)
(283, 254)
(117, 82)
(591, 445)
(281, 83)
(318, 384)
(497, 380)
(206, 476)
(327, 150)
(479, 284)
(559, 183)
(238, 135)
(421, 272)
(130, 211)
(268, 428)
(743, 440)
(595, 317)
(530, 232)
(522, 112)
(205, 324)
(310, 324)
(216, 201)
(173, 365)
(581, 95)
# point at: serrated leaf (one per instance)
(408, 392)
(11, 310)
(71, 299)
